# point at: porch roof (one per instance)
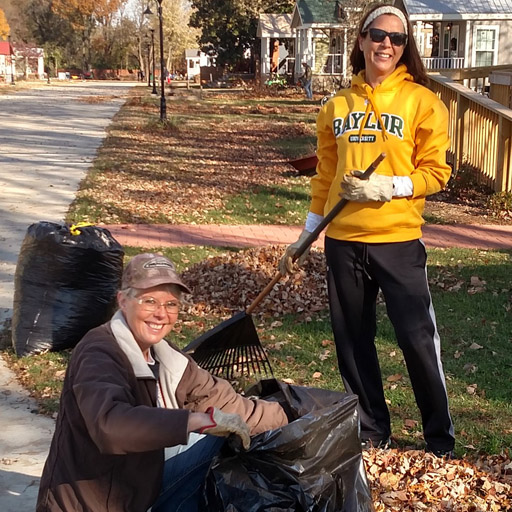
(459, 9)
(6, 48)
(192, 53)
(319, 13)
(275, 25)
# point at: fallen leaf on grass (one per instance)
(470, 368)
(324, 355)
(471, 389)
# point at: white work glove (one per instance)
(377, 188)
(224, 424)
(286, 262)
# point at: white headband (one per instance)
(386, 9)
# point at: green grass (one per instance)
(296, 147)
(479, 380)
(266, 205)
(472, 296)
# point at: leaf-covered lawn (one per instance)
(222, 159)
(186, 170)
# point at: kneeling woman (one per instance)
(128, 394)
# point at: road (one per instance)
(49, 136)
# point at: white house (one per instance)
(277, 44)
(195, 59)
(461, 34)
(450, 34)
(6, 61)
(322, 31)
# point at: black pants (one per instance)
(356, 271)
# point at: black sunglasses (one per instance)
(377, 36)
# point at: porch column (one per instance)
(265, 58)
(418, 32)
(345, 53)
(468, 45)
(298, 52)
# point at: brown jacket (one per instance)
(107, 452)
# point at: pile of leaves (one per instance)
(224, 284)
(413, 480)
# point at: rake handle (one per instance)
(314, 234)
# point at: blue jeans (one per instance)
(184, 476)
(307, 89)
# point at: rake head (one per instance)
(232, 350)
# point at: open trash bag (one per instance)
(65, 284)
(312, 464)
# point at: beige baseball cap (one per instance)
(148, 270)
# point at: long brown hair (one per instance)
(411, 57)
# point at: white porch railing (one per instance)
(443, 62)
(289, 65)
(333, 64)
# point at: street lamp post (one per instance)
(13, 61)
(148, 69)
(163, 107)
(152, 30)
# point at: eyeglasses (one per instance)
(150, 304)
(377, 36)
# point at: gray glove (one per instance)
(377, 188)
(286, 262)
(224, 424)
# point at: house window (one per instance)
(485, 45)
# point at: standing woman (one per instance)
(375, 242)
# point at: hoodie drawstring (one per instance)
(370, 104)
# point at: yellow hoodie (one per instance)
(399, 117)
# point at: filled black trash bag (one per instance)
(312, 464)
(64, 285)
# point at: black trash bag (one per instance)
(64, 285)
(312, 464)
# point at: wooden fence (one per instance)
(481, 133)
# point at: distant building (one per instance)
(29, 60)
(6, 61)
(196, 59)
(277, 44)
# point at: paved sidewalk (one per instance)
(165, 235)
(49, 136)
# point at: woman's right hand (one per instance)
(218, 423)
(286, 262)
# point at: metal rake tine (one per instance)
(223, 356)
(262, 358)
(254, 360)
(247, 359)
(205, 361)
(230, 363)
(241, 360)
(217, 365)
